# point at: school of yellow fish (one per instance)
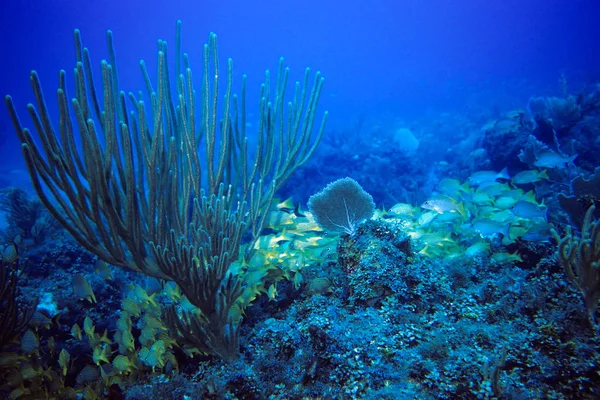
(465, 219)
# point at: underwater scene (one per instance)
(300, 200)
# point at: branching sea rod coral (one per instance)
(13, 319)
(581, 258)
(168, 188)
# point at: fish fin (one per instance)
(465, 187)
(298, 212)
(503, 174)
(529, 197)
(462, 210)
(572, 158)
(545, 216)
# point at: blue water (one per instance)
(385, 60)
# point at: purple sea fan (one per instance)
(341, 206)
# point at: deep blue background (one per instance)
(382, 59)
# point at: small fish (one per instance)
(431, 251)
(403, 210)
(76, 332)
(171, 364)
(272, 292)
(550, 159)
(539, 232)
(278, 219)
(30, 372)
(11, 359)
(501, 216)
(166, 338)
(124, 322)
(82, 288)
(529, 176)
(487, 228)
(127, 340)
(298, 212)
(90, 394)
(101, 354)
(103, 269)
(436, 238)
(88, 327)
(505, 202)
(485, 210)
(271, 241)
(493, 188)
(442, 204)
(488, 176)
(147, 336)
(131, 306)
(41, 319)
(142, 296)
(477, 248)
(153, 322)
(288, 207)
(9, 254)
(19, 392)
(173, 291)
(319, 286)
(64, 359)
(529, 196)
(104, 338)
(297, 280)
(89, 373)
(291, 263)
(191, 352)
(154, 356)
(445, 218)
(29, 342)
(526, 209)
(517, 231)
(153, 286)
(250, 293)
(235, 313)
(327, 253)
(451, 187)
(426, 218)
(122, 364)
(481, 198)
(309, 226)
(307, 242)
(51, 344)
